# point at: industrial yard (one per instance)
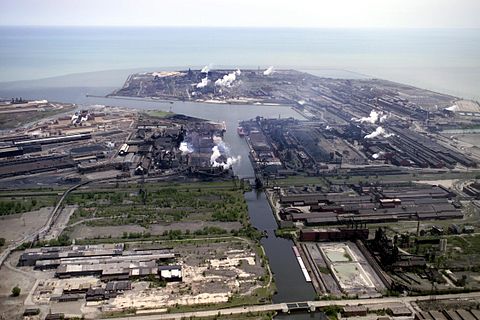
(106, 142)
(117, 278)
(341, 268)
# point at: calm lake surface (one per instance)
(444, 60)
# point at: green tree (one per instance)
(16, 291)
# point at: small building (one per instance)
(437, 315)
(96, 294)
(354, 311)
(31, 312)
(170, 273)
(399, 312)
(118, 286)
(423, 315)
(55, 316)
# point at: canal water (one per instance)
(290, 282)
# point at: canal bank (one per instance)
(289, 279)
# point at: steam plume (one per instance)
(372, 118)
(219, 149)
(269, 71)
(378, 155)
(379, 132)
(228, 79)
(185, 148)
(452, 108)
(203, 83)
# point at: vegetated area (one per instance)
(12, 203)
(461, 257)
(246, 316)
(160, 210)
(23, 212)
(159, 113)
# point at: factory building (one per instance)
(334, 234)
(373, 205)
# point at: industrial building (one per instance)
(334, 234)
(371, 205)
(109, 262)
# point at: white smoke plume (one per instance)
(203, 83)
(383, 118)
(219, 149)
(378, 155)
(185, 147)
(228, 79)
(372, 118)
(379, 132)
(269, 71)
(452, 108)
(206, 69)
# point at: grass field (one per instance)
(169, 210)
(159, 113)
(18, 204)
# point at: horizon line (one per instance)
(233, 27)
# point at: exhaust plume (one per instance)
(203, 83)
(269, 71)
(219, 149)
(228, 79)
(206, 69)
(379, 132)
(452, 108)
(372, 118)
(378, 155)
(185, 147)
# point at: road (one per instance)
(43, 230)
(283, 306)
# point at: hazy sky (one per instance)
(244, 13)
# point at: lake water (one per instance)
(445, 60)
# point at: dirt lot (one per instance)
(12, 307)
(17, 226)
(214, 272)
(83, 231)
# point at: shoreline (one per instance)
(213, 102)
